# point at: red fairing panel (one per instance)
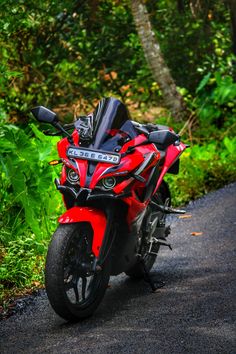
(127, 164)
(136, 208)
(61, 147)
(172, 154)
(95, 217)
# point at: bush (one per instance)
(215, 105)
(23, 262)
(202, 169)
(29, 204)
(27, 192)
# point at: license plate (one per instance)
(93, 155)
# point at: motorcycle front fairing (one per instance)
(115, 133)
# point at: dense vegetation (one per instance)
(69, 54)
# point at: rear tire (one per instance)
(137, 271)
(73, 291)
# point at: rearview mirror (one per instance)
(43, 114)
(164, 138)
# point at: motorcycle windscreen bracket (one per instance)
(95, 217)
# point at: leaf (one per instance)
(186, 216)
(36, 283)
(196, 233)
(203, 83)
(230, 145)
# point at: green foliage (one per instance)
(27, 193)
(215, 105)
(193, 44)
(81, 51)
(30, 42)
(23, 263)
(204, 168)
(29, 204)
(5, 78)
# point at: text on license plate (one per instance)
(93, 155)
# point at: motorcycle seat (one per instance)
(153, 127)
(163, 141)
(148, 127)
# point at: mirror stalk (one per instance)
(60, 127)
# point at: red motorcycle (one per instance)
(116, 200)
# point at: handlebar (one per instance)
(66, 127)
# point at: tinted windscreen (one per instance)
(111, 125)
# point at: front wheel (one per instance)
(73, 288)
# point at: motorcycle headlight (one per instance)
(109, 182)
(72, 177)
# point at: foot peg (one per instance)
(163, 243)
(168, 210)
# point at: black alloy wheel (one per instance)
(74, 289)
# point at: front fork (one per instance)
(101, 223)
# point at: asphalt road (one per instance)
(193, 313)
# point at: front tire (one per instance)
(74, 291)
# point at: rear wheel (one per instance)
(73, 288)
(162, 197)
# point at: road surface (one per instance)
(193, 313)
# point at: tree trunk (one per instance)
(161, 73)
(195, 7)
(180, 6)
(232, 7)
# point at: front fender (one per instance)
(95, 217)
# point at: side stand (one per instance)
(154, 285)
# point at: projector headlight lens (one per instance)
(109, 182)
(72, 177)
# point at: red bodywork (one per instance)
(95, 217)
(128, 165)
